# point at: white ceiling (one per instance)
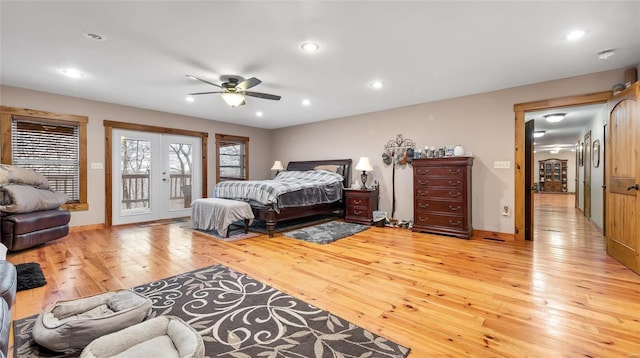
(422, 50)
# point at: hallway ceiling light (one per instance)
(538, 134)
(554, 117)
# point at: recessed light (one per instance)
(377, 84)
(94, 36)
(310, 47)
(306, 102)
(72, 73)
(189, 99)
(259, 114)
(575, 35)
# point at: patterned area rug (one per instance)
(236, 233)
(261, 226)
(240, 317)
(326, 233)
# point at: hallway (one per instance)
(558, 223)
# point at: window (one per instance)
(52, 144)
(233, 157)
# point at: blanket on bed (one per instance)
(318, 187)
(23, 190)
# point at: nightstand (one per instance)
(360, 204)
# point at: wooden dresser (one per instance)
(442, 196)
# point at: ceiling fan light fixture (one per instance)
(538, 134)
(233, 99)
(554, 117)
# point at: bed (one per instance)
(293, 208)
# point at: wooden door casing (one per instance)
(623, 172)
(587, 174)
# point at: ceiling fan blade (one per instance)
(201, 80)
(246, 84)
(195, 94)
(262, 95)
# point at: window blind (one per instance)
(51, 149)
(232, 160)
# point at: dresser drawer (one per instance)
(448, 207)
(438, 182)
(452, 222)
(439, 193)
(358, 201)
(438, 172)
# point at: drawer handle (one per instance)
(423, 219)
(356, 201)
(456, 183)
(457, 171)
(423, 206)
(420, 192)
(454, 195)
(456, 208)
(357, 212)
(423, 182)
(423, 172)
(456, 223)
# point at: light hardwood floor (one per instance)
(559, 296)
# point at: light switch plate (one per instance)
(502, 164)
(97, 166)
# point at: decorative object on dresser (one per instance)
(552, 175)
(360, 205)
(365, 165)
(277, 166)
(442, 196)
(395, 153)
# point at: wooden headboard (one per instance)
(344, 167)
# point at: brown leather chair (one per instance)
(25, 230)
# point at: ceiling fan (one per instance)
(234, 92)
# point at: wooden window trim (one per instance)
(232, 138)
(6, 114)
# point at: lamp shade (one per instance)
(277, 165)
(364, 164)
(233, 99)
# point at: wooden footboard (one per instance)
(272, 218)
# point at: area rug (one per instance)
(327, 232)
(238, 316)
(30, 276)
(235, 233)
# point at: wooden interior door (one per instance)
(587, 174)
(623, 178)
(528, 180)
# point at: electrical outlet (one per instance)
(505, 210)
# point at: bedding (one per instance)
(287, 189)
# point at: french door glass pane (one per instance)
(135, 168)
(180, 174)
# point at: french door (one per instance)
(154, 175)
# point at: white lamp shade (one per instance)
(277, 165)
(233, 99)
(364, 164)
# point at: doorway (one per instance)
(524, 196)
(153, 175)
(163, 171)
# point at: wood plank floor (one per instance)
(559, 296)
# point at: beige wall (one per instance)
(259, 144)
(482, 124)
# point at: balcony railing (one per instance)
(135, 189)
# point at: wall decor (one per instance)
(581, 154)
(596, 153)
(395, 153)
